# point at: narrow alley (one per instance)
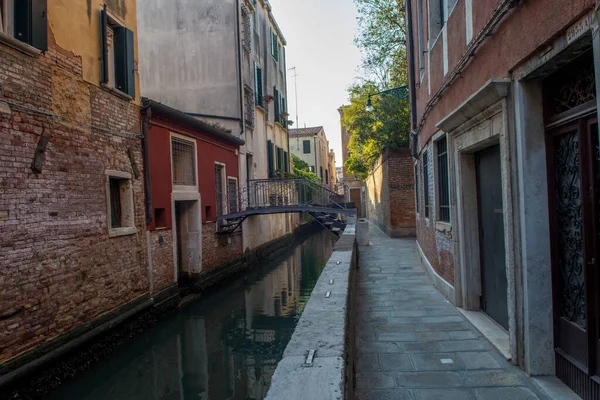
(413, 344)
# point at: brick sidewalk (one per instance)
(413, 344)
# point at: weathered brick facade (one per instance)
(59, 268)
(390, 193)
(219, 249)
(161, 253)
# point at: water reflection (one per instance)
(224, 347)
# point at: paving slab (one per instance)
(412, 343)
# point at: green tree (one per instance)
(386, 126)
(302, 170)
(381, 37)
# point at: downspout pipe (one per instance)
(411, 61)
(147, 185)
(239, 57)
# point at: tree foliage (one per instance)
(302, 170)
(382, 40)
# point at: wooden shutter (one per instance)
(270, 158)
(104, 44)
(39, 24)
(286, 162)
(22, 20)
(277, 105)
(124, 68)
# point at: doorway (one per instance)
(573, 170)
(188, 240)
(494, 295)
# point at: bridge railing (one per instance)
(277, 192)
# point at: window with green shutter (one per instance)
(258, 86)
(25, 20)
(270, 158)
(118, 69)
(286, 162)
(277, 102)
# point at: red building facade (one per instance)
(193, 175)
(504, 109)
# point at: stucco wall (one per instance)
(188, 55)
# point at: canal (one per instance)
(224, 346)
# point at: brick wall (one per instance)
(58, 266)
(161, 248)
(390, 193)
(437, 244)
(219, 249)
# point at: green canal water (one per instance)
(224, 346)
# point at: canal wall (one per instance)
(325, 327)
(34, 377)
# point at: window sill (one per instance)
(443, 227)
(116, 92)
(20, 46)
(126, 231)
(261, 108)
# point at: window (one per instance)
(417, 188)
(183, 159)
(326, 176)
(270, 157)
(250, 104)
(286, 162)
(220, 188)
(321, 172)
(279, 166)
(274, 45)
(258, 86)
(306, 146)
(247, 42)
(25, 20)
(118, 69)
(232, 195)
(312, 169)
(426, 183)
(121, 215)
(443, 187)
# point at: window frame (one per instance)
(304, 141)
(34, 24)
(425, 168)
(224, 188)
(122, 51)
(178, 187)
(229, 197)
(126, 202)
(442, 180)
(417, 197)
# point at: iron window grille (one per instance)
(114, 185)
(250, 104)
(184, 171)
(417, 188)
(219, 181)
(247, 42)
(443, 187)
(232, 195)
(426, 183)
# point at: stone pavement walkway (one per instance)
(413, 344)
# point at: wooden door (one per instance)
(494, 296)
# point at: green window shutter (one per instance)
(286, 161)
(22, 20)
(104, 44)
(258, 86)
(256, 82)
(39, 24)
(277, 105)
(124, 68)
(270, 158)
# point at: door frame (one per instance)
(488, 128)
(582, 122)
(191, 197)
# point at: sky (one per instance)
(319, 35)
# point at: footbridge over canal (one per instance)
(281, 195)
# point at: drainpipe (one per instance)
(411, 76)
(147, 187)
(239, 57)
